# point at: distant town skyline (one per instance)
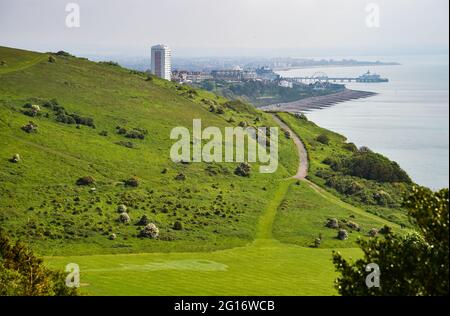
(230, 28)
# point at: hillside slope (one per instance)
(41, 202)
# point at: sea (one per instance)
(408, 119)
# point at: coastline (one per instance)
(318, 102)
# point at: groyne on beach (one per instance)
(318, 102)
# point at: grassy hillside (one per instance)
(325, 148)
(41, 201)
(220, 234)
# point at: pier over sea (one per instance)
(322, 77)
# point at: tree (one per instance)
(415, 264)
(24, 274)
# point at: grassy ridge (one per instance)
(44, 206)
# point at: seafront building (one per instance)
(162, 62)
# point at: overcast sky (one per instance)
(228, 27)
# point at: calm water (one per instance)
(408, 121)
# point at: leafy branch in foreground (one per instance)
(24, 274)
(415, 264)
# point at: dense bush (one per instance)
(350, 147)
(31, 127)
(332, 223)
(15, 158)
(51, 59)
(88, 180)
(110, 63)
(180, 177)
(122, 208)
(373, 232)
(149, 231)
(416, 264)
(66, 119)
(243, 170)
(353, 225)
(135, 133)
(178, 225)
(69, 118)
(365, 191)
(132, 182)
(24, 274)
(373, 166)
(31, 109)
(83, 120)
(342, 234)
(63, 53)
(51, 104)
(324, 139)
(386, 230)
(143, 221)
(124, 218)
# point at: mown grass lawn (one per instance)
(264, 267)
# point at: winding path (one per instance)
(302, 170)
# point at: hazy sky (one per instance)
(228, 27)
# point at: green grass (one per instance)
(317, 152)
(217, 211)
(302, 216)
(263, 268)
(228, 245)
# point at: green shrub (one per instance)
(132, 182)
(31, 127)
(87, 180)
(63, 53)
(149, 231)
(178, 225)
(124, 218)
(243, 170)
(373, 166)
(122, 208)
(110, 63)
(31, 110)
(342, 234)
(24, 274)
(143, 221)
(15, 158)
(323, 138)
(350, 147)
(416, 264)
(180, 177)
(136, 133)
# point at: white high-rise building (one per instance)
(162, 61)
